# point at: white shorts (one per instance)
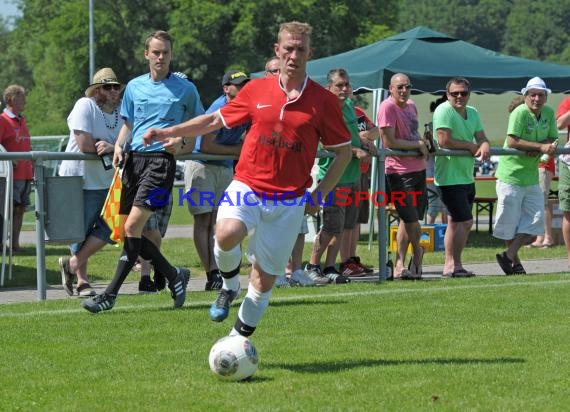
(520, 209)
(273, 225)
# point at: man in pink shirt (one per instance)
(398, 123)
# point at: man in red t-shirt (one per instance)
(15, 137)
(289, 114)
(563, 122)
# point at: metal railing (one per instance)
(39, 158)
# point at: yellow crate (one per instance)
(427, 239)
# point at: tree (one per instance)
(537, 30)
(49, 54)
(477, 21)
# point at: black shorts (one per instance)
(340, 211)
(147, 181)
(458, 199)
(410, 206)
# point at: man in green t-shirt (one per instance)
(340, 211)
(458, 127)
(520, 202)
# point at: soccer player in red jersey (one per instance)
(289, 115)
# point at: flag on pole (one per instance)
(110, 213)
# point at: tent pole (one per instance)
(378, 181)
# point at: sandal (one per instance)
(409, 275)
(518, 269)
(416, 269)
(505, 263)
(462, 273)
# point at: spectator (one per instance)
(520, 202)
(458, 127)
(340, 214)
(435, 205)
(94, 125)
(272, 66)
(563, 122)
(15, 137)
(290, 114)
(351, 264)
(398, 123)
(546, 171)
(148, 173)
(213, 177)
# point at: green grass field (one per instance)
(482, 344)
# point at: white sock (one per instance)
(227, 260)
(231, 283)
(253, 306)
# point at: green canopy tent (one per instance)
(431, 58)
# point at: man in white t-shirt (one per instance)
(94, 125)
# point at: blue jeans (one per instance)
(93, 201)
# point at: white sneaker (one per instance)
(281, 282)
(299, 276)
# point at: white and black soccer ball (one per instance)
(233, 358)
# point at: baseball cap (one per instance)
(536, 83)
(236, 77)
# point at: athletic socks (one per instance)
(227, 261)
(129, 255)
(251, 311)
(149, 251)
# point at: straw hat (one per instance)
(103, 76)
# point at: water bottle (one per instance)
(389, 267)
(428, 138)
(546, 157)
(106, 159)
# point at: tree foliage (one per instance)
(46, 50)
(49, 53)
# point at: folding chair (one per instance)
(6, 173)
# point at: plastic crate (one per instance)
(439, 234)
(427, 238)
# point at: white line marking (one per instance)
(340, 294)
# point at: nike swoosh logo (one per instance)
(261, 106)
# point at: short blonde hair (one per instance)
(11, 92)
(295, 27)
(159, 35)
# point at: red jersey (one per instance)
(364, 123)
(563, 108)
(280, 147)
(15, 137)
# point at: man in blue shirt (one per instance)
(155, 99)
(208, 179)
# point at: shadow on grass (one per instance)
(333, 367)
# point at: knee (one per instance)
(229, 237)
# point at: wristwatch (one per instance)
(185, 141)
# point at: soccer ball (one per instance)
(233, 358)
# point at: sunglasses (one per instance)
(404, 86)
(108, 87)
(273, 71)
(463, 93)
